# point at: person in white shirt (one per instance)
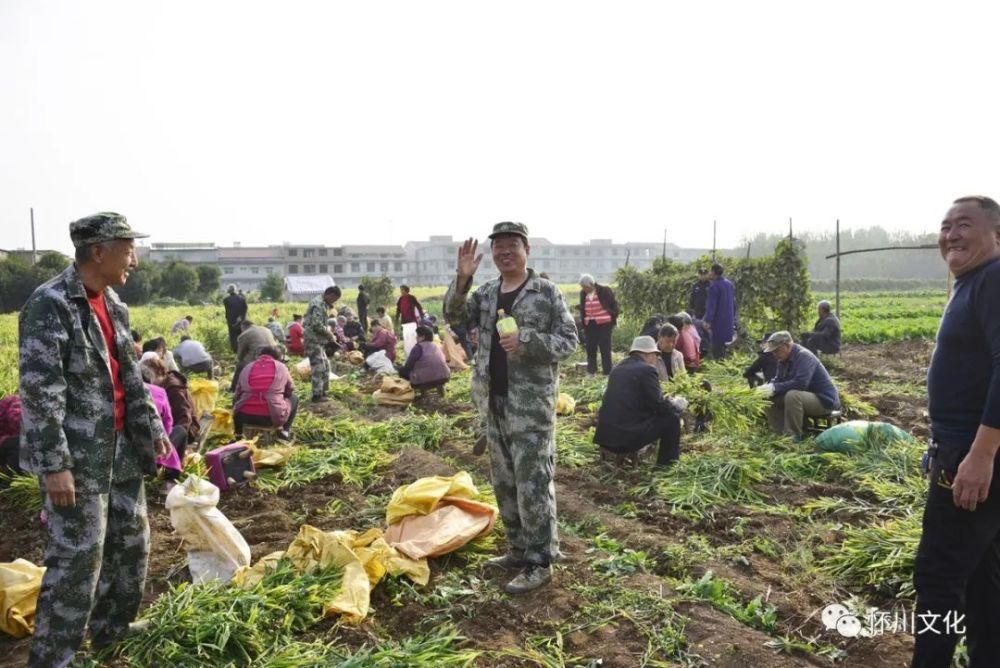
(192, 356)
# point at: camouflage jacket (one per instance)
(67, 399)
(547, 336)
(317, 332)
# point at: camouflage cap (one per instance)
(101, 227)
(777, 339)
(510, 228)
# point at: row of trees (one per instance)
(772, 292)
(151, 281)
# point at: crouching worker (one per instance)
(801, 387)
(265, 395)
(10, 434)
(154, 371)
(634, 411)
(426, 366)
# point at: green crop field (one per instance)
(874, 317)
(725, 559)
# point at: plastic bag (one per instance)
(422, 496)
(453, 523)
(204, 392)
(20, 582)
(379, 362)
(409, 337)
(302, 369)
(395, 391)
(847, 437)
(215, 548)
(565, 404)
(454, 355)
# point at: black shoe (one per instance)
(320, 399)
(480, 446)
(508, 561)
(531, 577)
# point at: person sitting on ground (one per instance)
(191, 356)
(10, 434)
(296, 336)
(763, 368)
(182, 409)
(250, 342)
(693, 331)
(825, 337)
(159, 346)
(275, 328)
(354, 331)
(153, 369)
(382, 339)
(651, 327)
(137, 342)
(265, 395)
(634, 412)
(182, 325)
(671, 362)
(686, 344)
(383, 318)
(341, 334)
(425, 366)
(800, 387)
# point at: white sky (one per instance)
(378, 122)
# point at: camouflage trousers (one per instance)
(522, 467)
(320, 366)
(95, 562)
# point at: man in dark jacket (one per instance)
(363, 309)
(634, 411)
(599, 311)
(699, 295)
(957, 571)
(801, 386)
(825, 337)
(236, 311)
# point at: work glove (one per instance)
(680, 403)
(766, 390)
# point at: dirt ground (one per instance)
(269, 522)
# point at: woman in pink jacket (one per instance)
(265, 395)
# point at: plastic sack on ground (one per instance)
(365, 558)
(204, 392)
(395, 391)
(422, 496)
(565, 404)
(271, 457)
(215, 548)
(302, 369)
(379, 362)
(453, 523)
(847, 437)
(356, 357)
(409, 337)
(222, 422)
(20, 582)
(454, 355)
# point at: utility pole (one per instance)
(664, 243)
(713, 240)
(838, 269)
(790, 228)
(34, 251)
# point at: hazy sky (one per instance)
(378, 122)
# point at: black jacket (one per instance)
(606, 296)
(698, 299)
(631, 404)
(236, 309)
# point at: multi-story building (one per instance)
(430, 262)
(347, 265)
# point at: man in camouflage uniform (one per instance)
(317, 335)
(89, 431)
(514, 386)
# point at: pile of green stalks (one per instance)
(20, 492)
(216, 624)
(442, 648)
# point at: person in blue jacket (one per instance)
(720, 312)
(801, 387)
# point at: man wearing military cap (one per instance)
(89, 432)
(515, 383)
